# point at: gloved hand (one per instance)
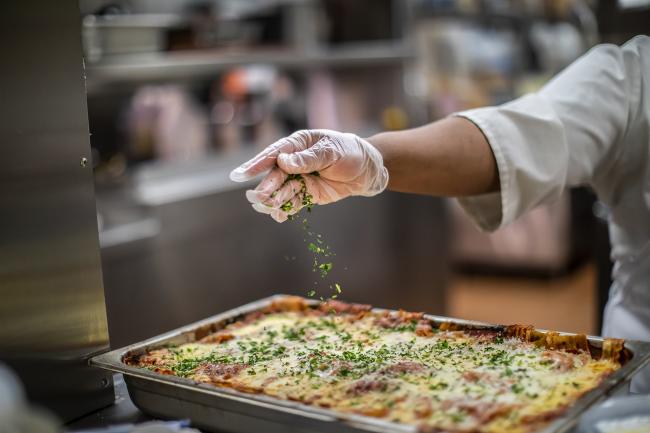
(332, 165)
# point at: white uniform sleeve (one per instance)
(567, 134)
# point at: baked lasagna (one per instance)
(397, 366)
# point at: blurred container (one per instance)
(126, 34)
(165, 122)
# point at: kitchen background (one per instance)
(181, 92)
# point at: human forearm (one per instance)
(450, 157)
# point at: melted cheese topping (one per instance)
(448, 380)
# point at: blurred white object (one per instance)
(556, 44)
(126, 34)
(15, 415)
(347, 165)
(259, 78)
(628, 4)
(11, 393)
(165, 121)
(629, 414)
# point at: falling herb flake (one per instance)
(287, 207)
(314, 240)
(325, 268)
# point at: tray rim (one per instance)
(112, 361)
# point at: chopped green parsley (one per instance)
(321, 253)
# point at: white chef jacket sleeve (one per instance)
(566, 134)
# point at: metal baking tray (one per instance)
(226, 410)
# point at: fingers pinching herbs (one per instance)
(286, 192)
(278, 215)
(266, 159)
(313, 167)
(320, 191)
(290, 199)
(262, 208)
(271, 183)
(287, 210)
(286, 200)
(292, 206)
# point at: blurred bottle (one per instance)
(199, 29)
(164, 122)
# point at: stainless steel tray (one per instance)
(224, 409)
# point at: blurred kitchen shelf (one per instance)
(491, 17)
(182, 65)
(162, 182)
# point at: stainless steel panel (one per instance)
(52, 311)
(223, 409)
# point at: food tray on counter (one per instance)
(227, 409)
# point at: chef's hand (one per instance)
(333, 166)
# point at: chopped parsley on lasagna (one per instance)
(397, 366)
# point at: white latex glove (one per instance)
(345, 164)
